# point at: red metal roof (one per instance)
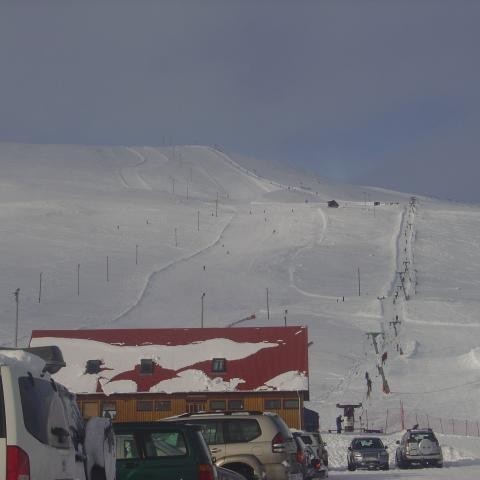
(255, 370)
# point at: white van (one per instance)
(42, 433)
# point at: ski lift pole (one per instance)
(16, 294)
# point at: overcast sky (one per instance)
(376, 92)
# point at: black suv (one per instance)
(166, 450)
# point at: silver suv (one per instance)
(418, 447)
(257, 445)
(42, 433)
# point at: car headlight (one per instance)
(357, 455)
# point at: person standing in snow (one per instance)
(369, 387)
(339, 421)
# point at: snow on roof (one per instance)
(271, 358)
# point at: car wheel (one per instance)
(386, 467)
(400, 462)
(242, 470)
(98, 473)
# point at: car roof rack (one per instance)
(219, 412)
(50, 354)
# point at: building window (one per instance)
(163, 405)
(235, 405)
(109, 410)
(218, 405)
(272, 404)
(93, 366)
(219, 365)
(290, 403)
(144, 405)
(90, 409)
(146, 366)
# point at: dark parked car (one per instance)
(166, 450)
(310, 464)
(368, 453)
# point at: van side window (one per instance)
(3, 428)
(43, 412)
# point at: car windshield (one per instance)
(363, 443)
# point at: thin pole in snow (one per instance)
(268, 308)
(358, 273)
(16, 293)
(176, 240)
(40, 289)
(198, 220)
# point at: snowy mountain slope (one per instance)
(153, 213)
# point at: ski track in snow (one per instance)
(259, 182)
(151, 277)
(130, 176)
(317, 240)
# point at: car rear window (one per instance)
(419, 436)
(307, 440)
(43, 412)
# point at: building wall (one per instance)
(151, 407)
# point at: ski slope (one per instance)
(177, 222)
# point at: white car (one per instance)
(42, 433)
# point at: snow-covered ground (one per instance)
(151, 215)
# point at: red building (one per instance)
(149, 374)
